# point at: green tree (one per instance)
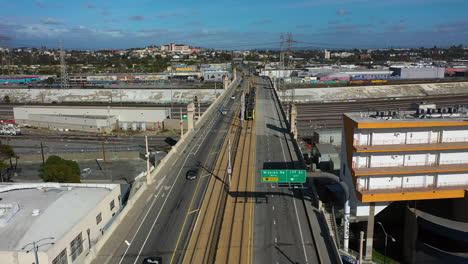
(7, 152)
(57, 169)
(6, 99)
(3, 166)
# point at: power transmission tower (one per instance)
(289, 46)
(63, 68)
(281, 65)
(6, 58)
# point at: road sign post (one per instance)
(284, 176)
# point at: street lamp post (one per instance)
(36, 246)
(386, 236)
(229, 166)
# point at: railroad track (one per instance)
(236, 238)
(203, 242)
(316, 116)
(80, 137)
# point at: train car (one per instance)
(250, 114)
(379, 81)
(358, 82)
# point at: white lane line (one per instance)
(162, 207)
(165, 200)
(295, 207)
(138, 229)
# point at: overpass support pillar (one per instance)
(293, 120)
(190, 116)
(370, 232)
(225, 83)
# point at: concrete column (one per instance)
(149, 179)
(293, 120)
(370, 232)
(190, 116)
(225, 83)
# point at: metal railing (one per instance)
(403, 141)
(461, 184)
(409, 164)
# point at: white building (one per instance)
(404, 156)
(71, 216)
(90, 118)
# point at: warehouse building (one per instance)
(405, 156)
(411, 72)
(91, 118)
(66, 220)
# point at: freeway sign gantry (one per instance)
(284, 176)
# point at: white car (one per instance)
(233, 97)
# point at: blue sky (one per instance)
(234, 24)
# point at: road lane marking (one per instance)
(138, 229)
(193, 211)
(186, 217)
(162, 207)
(295, 207)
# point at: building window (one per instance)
(76, 247)
(98, 218)
(112, 205)
(61, 258)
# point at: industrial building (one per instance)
(403, 156)
(414, 72)
(91, 118)
(64, 220)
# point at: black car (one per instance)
(191, 174)
(152, 260)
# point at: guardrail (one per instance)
(403, 141)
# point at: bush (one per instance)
(57, 169)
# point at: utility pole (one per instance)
(104, 158)
(361, 242)
(63, 69)
(170, 111)
(36, 246)
(242, 109)
(181, 124)
(42, 153)
(229, 166)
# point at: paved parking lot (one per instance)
(117, 170)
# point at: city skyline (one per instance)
(340, 24)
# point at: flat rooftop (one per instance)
(409, 116)
(59, 207)
(91, 107)
(103, 117)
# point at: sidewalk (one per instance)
(326, 249)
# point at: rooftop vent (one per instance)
(35, 212)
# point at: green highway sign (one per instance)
(284, 176)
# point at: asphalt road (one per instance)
(164, 222)
(281, 233)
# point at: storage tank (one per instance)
(124, 126)
(134, 126)
(143, 126)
